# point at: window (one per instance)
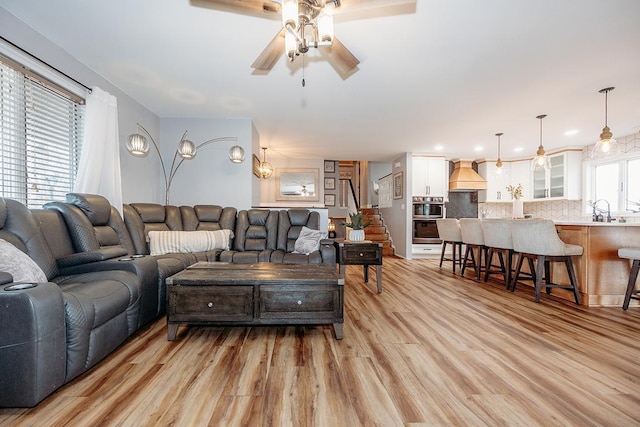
(40, 138)
(617, 182)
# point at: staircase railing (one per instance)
(347, 196)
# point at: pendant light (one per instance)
(606, 145)
(499, 161)
(266, 170)
(541, 160)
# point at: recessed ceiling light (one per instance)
(478, 149)
(438, 148)
(518, 149)
(572, 132)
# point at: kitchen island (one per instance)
(602, 275)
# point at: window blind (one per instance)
(40, 138)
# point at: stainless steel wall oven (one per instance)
(426, 210)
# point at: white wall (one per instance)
(376, 171)
(397, 218)
(268, 186)
(209, 178)
(138, 180)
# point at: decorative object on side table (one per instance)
(357, 226)
(518, 205)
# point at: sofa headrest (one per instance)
(150, 212)
(97, 208)
(3, 212)
(299, 216)
(208, 213)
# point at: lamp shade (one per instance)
(187, 149)
(137, 145)
(236, 154)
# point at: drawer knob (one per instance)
(210, 304)
(361, 254)
(299, 302)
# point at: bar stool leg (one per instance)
(633, 275)
(539, 274)
(512, 285)
(572, 278)
(444, 248)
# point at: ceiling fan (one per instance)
(305, 24)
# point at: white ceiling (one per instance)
(448, 72)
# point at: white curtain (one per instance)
(99, 167)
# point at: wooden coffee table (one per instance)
(220, 293)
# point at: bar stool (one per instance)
(473, 238)
(449, 233)
(538, 239)
(497, 238)
(634, 255)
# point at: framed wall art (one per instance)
(256, 166)
(329, 166)
(397, 185)
(329, 199)
(329, 183)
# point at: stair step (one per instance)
(375, 229)
(376, 237)
(388, 251)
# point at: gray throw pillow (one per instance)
(308, 241)
(19, 265)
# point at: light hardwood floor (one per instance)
(432, 349)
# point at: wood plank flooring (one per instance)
(433, 349)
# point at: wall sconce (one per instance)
(138, 146)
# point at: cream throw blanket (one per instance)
(165, 242)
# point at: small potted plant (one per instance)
(516, 195)
(357, 226)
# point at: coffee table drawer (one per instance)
(210, 303)
(300, 302)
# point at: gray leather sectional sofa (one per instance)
(102, 283)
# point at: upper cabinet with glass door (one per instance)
(562, 180)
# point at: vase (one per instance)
(356, 235)
(518, 208)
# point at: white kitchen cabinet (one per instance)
(561, 180)
(521, 174)
(496, 184)
(429, 177)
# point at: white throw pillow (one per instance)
(19, 265)
(308, 241)
(167, 242)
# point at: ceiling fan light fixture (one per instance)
(607, 145)
(290, 13)
(325, 26)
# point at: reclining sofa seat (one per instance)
(290, 223)
(99, 242)
(256, 235)
(53, 332)
(140, 218)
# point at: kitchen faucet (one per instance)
(597, 217)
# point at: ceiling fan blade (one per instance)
(268, 57)
(359, 9)
(260, 8)
(342, 59)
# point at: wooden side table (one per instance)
(363, 253)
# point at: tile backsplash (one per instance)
(557, 210)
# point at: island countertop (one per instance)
(599, 224)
